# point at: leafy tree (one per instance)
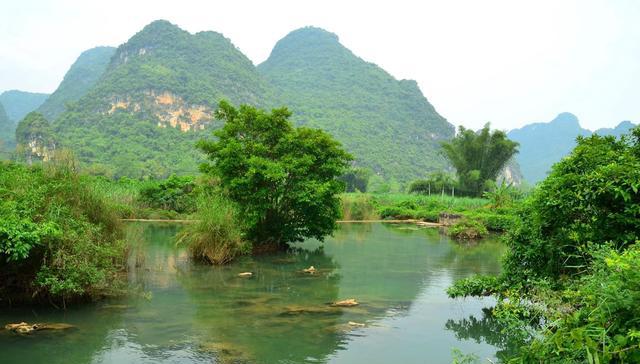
(573, 260)
(356, 179)
(590, 197)
(283, 179)
(479, 157)
(437, 182)
(175, 193)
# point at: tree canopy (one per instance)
(478, 157)
(283, 179)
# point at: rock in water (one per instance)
(24, 328)
(310, 270)
(346, 303)
(245, 274)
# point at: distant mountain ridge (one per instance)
(7, 132)
(18, 104)
(543, 144)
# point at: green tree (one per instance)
(356, 179)
(479, 157)
(283, 179)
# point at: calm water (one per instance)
(189, 313)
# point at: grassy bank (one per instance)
(359, 206)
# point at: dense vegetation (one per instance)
(58, 239)
(80, 77)
(479, 157)
(197, 70)
(283, 179)
(388, 125)
(572, 267)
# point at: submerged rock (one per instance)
(346, 303)
(24, 328)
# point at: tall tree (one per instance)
(283, 179)
(479, 157)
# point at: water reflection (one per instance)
(191, 313)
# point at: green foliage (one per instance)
(476, 286)
(570, 281)
(175, 193)
(590, 198)
(81, 76)
(605, 326)
(468, 229)
(57, 237)
(502, 195)
(458, 357)
(216, 235)
(356, 179)
(358, 207)
(435, 183)
(388, 125)
(479, 157)
(284, 180)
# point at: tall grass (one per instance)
(358, 206)
(216, 235)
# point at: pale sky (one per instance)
(508, 62)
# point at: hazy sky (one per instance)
(509, 62)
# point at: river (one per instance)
(183, 312)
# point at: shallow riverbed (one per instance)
(190, 313)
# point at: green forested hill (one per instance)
(7, 133)
(387, 124)
(155, 99)
(543, 144)
(18, 103)
(80, 77)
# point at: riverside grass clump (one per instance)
(467, 229)
(215, 236)
(362, 206)
(59, 240)
(358, 207)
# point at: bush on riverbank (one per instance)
(569, 288)
(468, 229)
(216, 235)
(59, 239)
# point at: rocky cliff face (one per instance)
(35, 139)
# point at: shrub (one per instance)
(605, 327)
(175, 193)
(468, 229)
(58, 238)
